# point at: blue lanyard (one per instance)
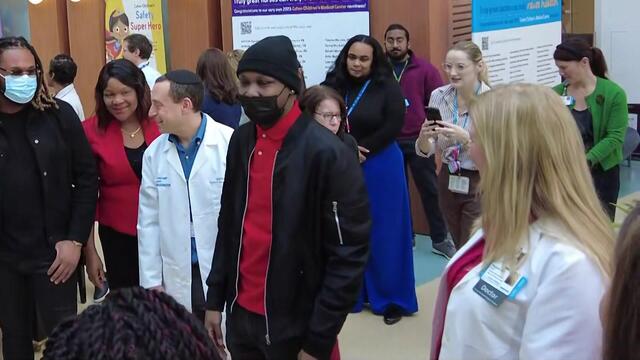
(357, 99)
(455, 108)
(455, 113)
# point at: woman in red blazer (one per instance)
(118, 133)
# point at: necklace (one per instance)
(133, 134)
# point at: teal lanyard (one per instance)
(456, 117)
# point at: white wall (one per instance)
(617, 27)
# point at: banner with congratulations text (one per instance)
(318, 28)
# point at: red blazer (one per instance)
(118, 184)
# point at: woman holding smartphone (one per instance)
(449, 137)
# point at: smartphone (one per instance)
(433, 114)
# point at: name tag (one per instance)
(459, 184)
(162, 181)
(497, 283)
(569, 100)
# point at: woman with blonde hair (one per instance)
(446, 133)
(529, 282)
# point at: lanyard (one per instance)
(144, 66)
(357, 99)
(406, 63)
(355, 102)
(455, 165)
(455, 113)
(455, 108)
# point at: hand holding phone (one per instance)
(433, 115)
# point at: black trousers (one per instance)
(120, 257)
(607, 184)
(424, 174)
(22, 295)
(246, 338)
(198, 304)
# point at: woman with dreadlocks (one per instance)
(48, 191)
(133, 323)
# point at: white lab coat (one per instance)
(555, 315)
(164, 234)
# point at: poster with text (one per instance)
(125, 17)
(318, 29)
(518, 38)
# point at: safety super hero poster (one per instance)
(125, 17)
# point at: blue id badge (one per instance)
(568, 100)
(497, 284)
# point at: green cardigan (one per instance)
(608, 107)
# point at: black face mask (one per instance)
(262, 110)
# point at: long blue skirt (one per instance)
(389, 278)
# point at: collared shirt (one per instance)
(187, 158)
(150, 74)
(188, 155)
(257, 233)
(69, 95)
(443, 98)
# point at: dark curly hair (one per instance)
(338, 77)
(133, 323)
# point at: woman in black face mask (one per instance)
(375, 115)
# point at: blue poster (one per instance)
(491, 15)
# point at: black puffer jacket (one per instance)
(320, 242)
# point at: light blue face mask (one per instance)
(20, 88)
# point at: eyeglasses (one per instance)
(447, 67)
(329, 116)
(30, 72)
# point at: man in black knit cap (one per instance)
(294, 222)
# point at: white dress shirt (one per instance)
(150, 74)
(69, 95)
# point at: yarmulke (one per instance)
(183, 77)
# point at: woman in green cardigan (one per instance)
(599, 107)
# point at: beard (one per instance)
(397, 56)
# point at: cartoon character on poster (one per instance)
(118, 29)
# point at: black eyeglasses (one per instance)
(30, 72)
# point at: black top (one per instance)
(584, 120)
(351, 143)
(377, 119)
(65, 187)
(135, 158)
(399, 66)
(23, 241)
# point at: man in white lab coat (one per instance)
(182, 175)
